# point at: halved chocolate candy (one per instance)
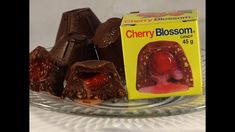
(46, 72)
(162, 68)
(93, 79)
(74, 47)
(107, 41)
(82, 21)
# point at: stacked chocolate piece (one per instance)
(87, 54)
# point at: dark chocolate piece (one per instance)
(74, 47)
(107, 40)
(46, 72)
(93, 79)
(163, 67)
(82, 21)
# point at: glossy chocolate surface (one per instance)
(107, 40)
(74, 47)
(82, 21)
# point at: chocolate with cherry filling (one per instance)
(93, 79)
(108, 44)
(74, 47)
(82, 21)
(162, 68)
(46, 72)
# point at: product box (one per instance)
(161, 54)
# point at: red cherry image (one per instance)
(162, 62)
(162, 67)
(165, 88)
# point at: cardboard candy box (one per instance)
(161, 54)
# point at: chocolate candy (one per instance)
(82, 21)
(163, 67)
(46, 72)
(74, 47)
(93, 79)
(107, 40)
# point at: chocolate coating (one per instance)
(51, 71)
(75, 88)
(74, 47)
(107, 40)
(82, 21)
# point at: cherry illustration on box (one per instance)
(162, 67)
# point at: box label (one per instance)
(161, 58)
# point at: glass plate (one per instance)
(124, 108)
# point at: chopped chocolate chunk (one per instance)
(163, 67)
(82, 21)
(107, 40)
(46, 72)
(93, 79)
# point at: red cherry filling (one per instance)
(97, 81)
(39, 69)
(162, 62)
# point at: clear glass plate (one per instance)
(124, 108)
